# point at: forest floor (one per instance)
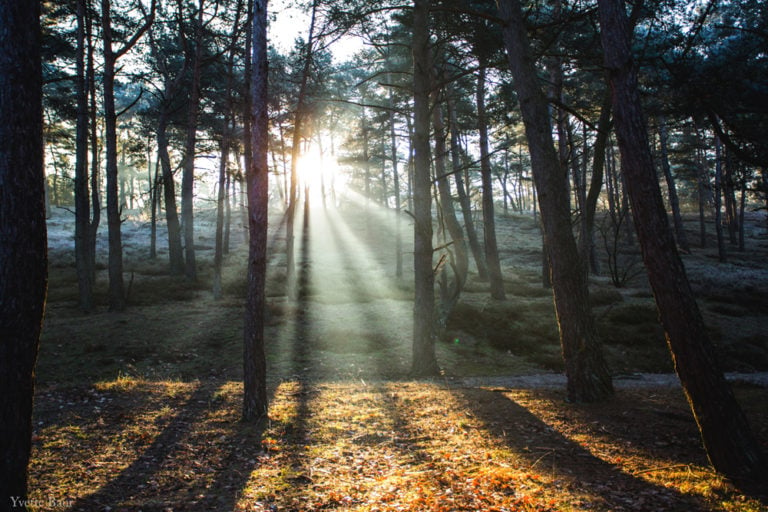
(139, 410)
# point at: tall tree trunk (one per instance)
(83, 262)
(23, 253)
(674, 201)
(459, 260)
(396, 186)
(596, 185)
(298, 129)
(188, 169)
(586, 370)
(489, 218)
(115, 267)
(175, 249)
(466, 208)
(90, 74)
(254, 360)
(424, 361)
(116, 286)
(731, 446)
(218, 253)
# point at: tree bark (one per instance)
(83, 261)
(254, 360)
(586, 370)
(731, 446)
(424, 362)
(23, 253)
(115, 266)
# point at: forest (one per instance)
(434, 255)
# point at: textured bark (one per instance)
(489, 218)
(84, 261)
(115, 263)
(424, 361)
(254, 360)
(730, 443)
(23, 256)
(585, 367)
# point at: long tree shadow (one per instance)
(547, 449)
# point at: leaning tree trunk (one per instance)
(588, 377)
(257, 176)
(466, 207)
(424, 361)
(459, 261)
(730, 443)
(23, 255)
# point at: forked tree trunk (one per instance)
(424, 361)
(586, 370)
(730, 443)
(461, 191)
(257, 176)
(23, 255)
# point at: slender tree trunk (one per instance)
(298, 129)
(188, 169)
(175, 249)
(489, 219)
(596, 185)
(731, 446)
(674, 202)
(586, 370)
(466, 208)
(90, 74)
(83, 261)
(396, 186)
(255, 385)
(154, 198)
(23, 253)
(424, 361)
(218, 254)
(459, 257)
(116, 285)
